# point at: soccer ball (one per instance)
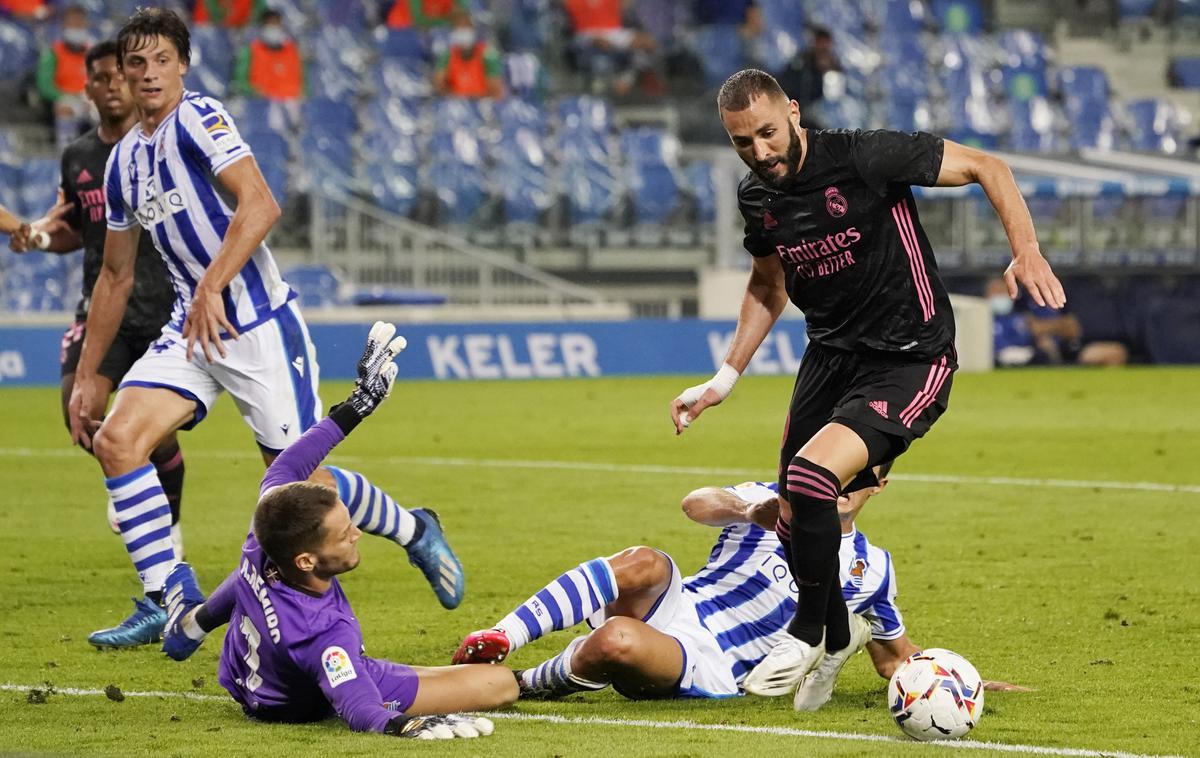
(936, 695)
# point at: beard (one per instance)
(791, 161)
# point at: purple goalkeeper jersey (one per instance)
(290, 655)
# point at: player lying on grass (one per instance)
(294, 650)
(657, 634)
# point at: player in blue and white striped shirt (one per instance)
(184, 176)
(658, 634)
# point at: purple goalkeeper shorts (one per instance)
(397, 683)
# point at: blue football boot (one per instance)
(432, 554)
(143, 627)
(181, 593)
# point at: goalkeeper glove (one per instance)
(445, 727)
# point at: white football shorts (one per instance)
(270, 371)
(707, 669)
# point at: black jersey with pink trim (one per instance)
(856, 260)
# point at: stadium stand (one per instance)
(550, 168)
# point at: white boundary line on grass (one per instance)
(634, 468)
(779, 731)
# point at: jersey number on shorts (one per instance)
(253, 640)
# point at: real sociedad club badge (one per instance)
(835, 203)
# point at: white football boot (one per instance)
(783, 668)
(817, 687)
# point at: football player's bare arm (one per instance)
(964, 165)
(714, 506)
(256, 213)
(109, 298)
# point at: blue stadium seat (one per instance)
(321, 114)
(515, 113)
(393, 114)
(1023, 82)
(845, 16)
(648, 146)
(390, 147)
(461, 145)
(212, 61)
(592, 193)
(40, 178)
(397, 77)
(460, 189)
(653, 192)
(456, 112)
(719, 49)
(585, 112)
(1033, 126)
(402, 44)
(1185, 10)
(583, 146)
(841, 113)
(783, 14)
(775, 48)
(1154, 126)
(526, 30)
(1023, 48)
(1082, 85)
(316, 285)
(18, 51)
(958, 16)
(699, 177)
(527, 192)
(1185, 72)
(898, 17)
(1092, 126)
(351, 15)
(393, 186)
(271, 152)
(341, 48)
(10, 188)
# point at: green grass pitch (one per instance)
(1089, 595)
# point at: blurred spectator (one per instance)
(804, 77)
(230, 13)
(470, 67)
(62, 76)
(422, 14)
(611, 53)
(25, 10)
(1025, 334)
(270, 65)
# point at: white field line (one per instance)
(634, 468)
(778, 731)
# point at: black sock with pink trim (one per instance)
(816, 534)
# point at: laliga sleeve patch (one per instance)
(337, 665)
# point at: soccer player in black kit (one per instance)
(831, 224)
(79, 221)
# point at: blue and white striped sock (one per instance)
(144, 517)
(562, 603)
(371, 509)
(553, 677)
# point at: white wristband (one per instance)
(722, 383)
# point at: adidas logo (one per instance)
(880, 407)
(298, 364)
(84, 176)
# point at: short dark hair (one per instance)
(884, 469)
(290, 519)
(146, 24)
(747, 84)
(99, 50)
(270, 14)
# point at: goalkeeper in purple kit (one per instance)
(294, 650)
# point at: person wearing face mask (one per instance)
(1026, 334)
(62, 76)
(470, 66)
(270, 65)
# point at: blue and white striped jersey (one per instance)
(166, 183)
(745, 595)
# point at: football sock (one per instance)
(783, 530)
(816, 534)
(562, 603)
(169, 465)
(553, 677)
(372, 510)
(144, 517)
(837, 617)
